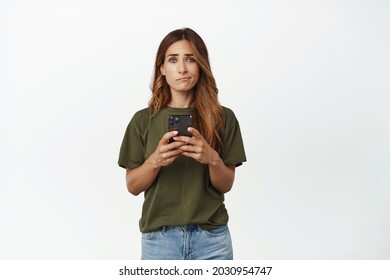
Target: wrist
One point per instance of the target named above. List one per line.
(152, 162)
(215, 160)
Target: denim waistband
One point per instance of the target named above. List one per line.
(185, 228)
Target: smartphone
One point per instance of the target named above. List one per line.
(181, 124)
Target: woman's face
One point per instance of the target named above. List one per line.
(180, 68)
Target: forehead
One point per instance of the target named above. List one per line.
(179, 47)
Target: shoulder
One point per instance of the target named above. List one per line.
(141, 116)
(229, 117)
(228, 113)
(143, 113)
(140, 120)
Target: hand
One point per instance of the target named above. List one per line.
(196, 147)
(166, 153)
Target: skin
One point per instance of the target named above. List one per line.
(182, 73)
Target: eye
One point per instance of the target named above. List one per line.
(190, 59)
(172, 60)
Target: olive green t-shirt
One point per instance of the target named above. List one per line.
(182, 192)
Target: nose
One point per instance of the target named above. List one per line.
(182, 68)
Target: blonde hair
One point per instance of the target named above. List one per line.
(208, 118)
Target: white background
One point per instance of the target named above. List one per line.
(309, 82)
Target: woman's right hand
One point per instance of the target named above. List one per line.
(166, 152)
(141, 178)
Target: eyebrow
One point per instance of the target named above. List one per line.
(175, 54)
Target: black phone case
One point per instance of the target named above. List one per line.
(179, 123)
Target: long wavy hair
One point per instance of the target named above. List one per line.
(208, 117)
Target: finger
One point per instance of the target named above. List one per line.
(175, 145)
(170, 154)
(168, 161)
(168, 136)
(195, 133)
(192, 155)
(191, 149)
(171, 146)
(184, 139)
(167, 158)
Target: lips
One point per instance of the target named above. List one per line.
(184, 79)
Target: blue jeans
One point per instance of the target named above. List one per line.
(188, 242)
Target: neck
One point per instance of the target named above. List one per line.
(181, 100)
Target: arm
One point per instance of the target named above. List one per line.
(221, 176)
(139, 179)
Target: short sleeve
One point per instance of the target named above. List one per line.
(233, 152)
(132, 151)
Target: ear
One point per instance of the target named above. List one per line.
(162, 69)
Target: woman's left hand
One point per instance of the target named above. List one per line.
(197, 148)
(221, 176)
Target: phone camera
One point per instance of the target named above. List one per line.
(171, 121)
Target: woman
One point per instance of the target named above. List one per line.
(184, 181)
